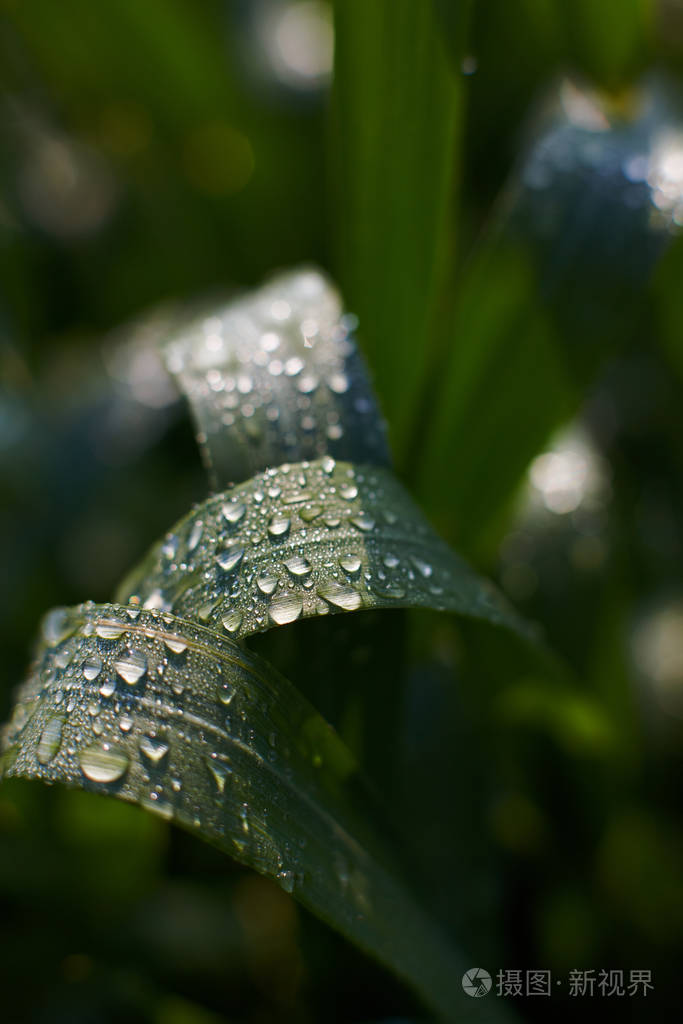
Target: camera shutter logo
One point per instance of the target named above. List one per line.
(476, 982)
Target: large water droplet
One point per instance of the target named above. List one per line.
(110, 630)
(175, 644)
(50, 740)
(341, 596)
(278, 526)
(195, 535)
(57, 626)
(298, 566)
(108, 687)
(349, 492)
(219, 772)
(153, 749)
(102, 763)
(267, 583)
(350, 562)
(285, 608)
(233, 512)
(363, 522)
(92, 666)
(308, 514)
(131, 666)
(230, 557)
(232, 620)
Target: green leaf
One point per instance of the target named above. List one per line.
(304, 540)
(396, 116)
(155, 710)
(556, 286)
(275, 377)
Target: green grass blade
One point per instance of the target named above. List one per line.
(396, 116)
(160, 712)
(305, 540)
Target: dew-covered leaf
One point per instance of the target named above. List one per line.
(304, 540)
(161, 712)
(275, 376)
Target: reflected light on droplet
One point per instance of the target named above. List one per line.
(665, 173)
(657, 646)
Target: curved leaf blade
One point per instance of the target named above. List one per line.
(275, 376)
(304, 540)
(161, 712)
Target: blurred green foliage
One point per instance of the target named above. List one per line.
(156, 153)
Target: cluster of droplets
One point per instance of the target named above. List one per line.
(276, 376)
(155, 709)
(305, 540)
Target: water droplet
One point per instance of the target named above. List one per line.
(327, 464)
(339, 383)
(286, 880)
(298, 566)
(153, 749)
(103, 764)
(230, 557)
(57, 626)
(331, 520)
(125, 723)
(393, 590)
(131, 666)
(267, 583)
(363, 522)
(157, 602)
(195, 535)
(278, 526)
(422, 567)
(244, 816)
(350, 562)
(92, 666)
(50, 740)
(341, 596)
(110, 630)
(233, 512)
(285, 608)
(308, 514)
(175, 644)
(391, 561)
(108, 687)
(169, 548)
(219, 772)
(349, 492)
(226, 694)
(232, 620)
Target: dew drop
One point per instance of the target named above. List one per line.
(349, 492)
(298, 566)
(232, 620)
(175, 644)
(50, 740)
(157, 602)
(195, 535)
(267, 584)
(339, 383)
(226, 694)
(285, 608)
(286, 880)
(424, 568)
(57, 626)
(101, 763)
(108, 687)
(327, 464)
(278, 526)
(110, 630)
(350, 562)
(131, 666)
(230, 557)
(154, 750)
(125, 723)
(341, 596)
(233, 512)
(363, 522)
(219, 773)
(92, 666)
(308, 514)
(391, 561)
